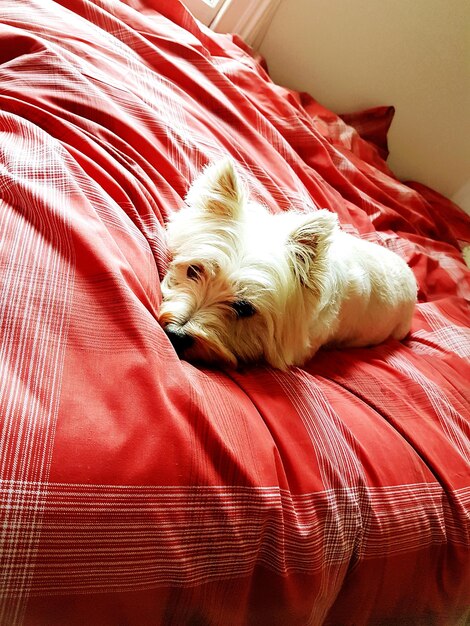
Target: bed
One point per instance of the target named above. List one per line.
(138, 489)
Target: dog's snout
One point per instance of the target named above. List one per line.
(180, 340)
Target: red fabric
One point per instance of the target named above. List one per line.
(138, 489)
(372, 125)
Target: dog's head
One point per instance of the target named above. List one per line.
(240, 280)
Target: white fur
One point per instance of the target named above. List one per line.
(310, 283)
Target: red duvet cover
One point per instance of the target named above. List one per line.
(140, 490)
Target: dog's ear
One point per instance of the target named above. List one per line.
(218, 190)
(307, 245)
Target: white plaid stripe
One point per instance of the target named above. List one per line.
(97, 537)
(452, 422)
(446, 334)
(339, 464)
(339, 468)
(34, 313)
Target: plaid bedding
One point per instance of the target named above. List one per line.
(139, 489)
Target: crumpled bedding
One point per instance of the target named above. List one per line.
(140, 489)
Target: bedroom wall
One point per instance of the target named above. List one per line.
(414, 54)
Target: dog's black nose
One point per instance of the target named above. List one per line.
(180, 340)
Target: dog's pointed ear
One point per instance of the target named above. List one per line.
(307, 245)
(218, 190)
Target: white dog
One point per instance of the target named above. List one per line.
(245, 285)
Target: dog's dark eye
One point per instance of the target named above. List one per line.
(243, 308)
(194, 271)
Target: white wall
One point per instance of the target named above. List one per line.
(414, 54)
